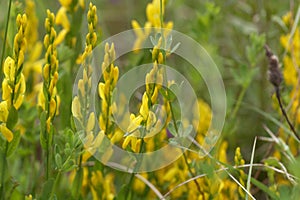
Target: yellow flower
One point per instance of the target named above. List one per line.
(153, 20)
(9, 69)
(65, 3)
(289, 71)
(28, 197)
(91, 122)
(134, 123)
(6, 91)
(3, 111)
(105, 88)
(138, 185)
(6, 132)
(141, 34)
(135, 143)
(144, 111)
(153, 12)
(62, 18)
(76, 107)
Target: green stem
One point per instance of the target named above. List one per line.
(2, 190)
(239, 101)
(139, 161)
(47, 158)
(191, 172)
(161, 30)
(55, 184)
(5, 36)
(161, 15)
(184, 156)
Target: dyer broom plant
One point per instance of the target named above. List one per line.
(13, 89)
(64, 164)
(49, 100)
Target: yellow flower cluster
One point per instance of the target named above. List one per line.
(291, 65)
(81, 102)
(67, 6)
(13, 85)
(91, 37)
(80, 110)
(238, 160)
(99, 185)
(212, 185)
(48, 98)
(105, 88)
(33, 64)
(146, 117)
(31, 32)
(102, 187)
(153, 20)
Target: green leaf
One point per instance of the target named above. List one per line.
(163, 93)
(264, 188)
(12, 146)
(76, 186)
(171, 129)
(12, 118)
(179, 128)
(47, 189)
(272, 161)
(187, 131)
(64, 53)
(123, 192)
(67, 150)
(58, 161)
(68, 168)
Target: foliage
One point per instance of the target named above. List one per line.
(50, 140)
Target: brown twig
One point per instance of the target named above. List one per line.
(275, 77)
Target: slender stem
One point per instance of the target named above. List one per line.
(239, 101)
(2, 190)
(4, 40)
(161, 14)
(55, 183)
(161, 30)
(184, 156)
(139, 161)
(47, 158)
(191, 172)
(284, 113)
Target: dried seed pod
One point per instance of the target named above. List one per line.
(275, 75)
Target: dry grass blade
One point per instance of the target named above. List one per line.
(149, 184)
(250, 168)
(291, 177)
